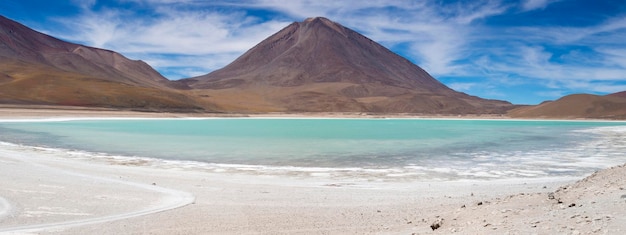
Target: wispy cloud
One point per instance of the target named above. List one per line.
(553, 59)
(214, 38)
(530, 5)
(468, 86)
(456, 41)
(437, 35)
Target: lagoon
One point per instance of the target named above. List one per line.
(406, 149)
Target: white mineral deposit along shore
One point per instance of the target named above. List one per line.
(42, 192)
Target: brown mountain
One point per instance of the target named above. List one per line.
(618, 94)
(612, 106)
(319, 65)
(39, 69)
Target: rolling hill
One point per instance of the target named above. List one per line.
(612, 106)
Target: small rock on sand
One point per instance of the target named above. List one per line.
(437, 224)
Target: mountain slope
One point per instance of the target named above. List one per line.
(619, 94)
(39, 69)
(319, 65)
(611, 106)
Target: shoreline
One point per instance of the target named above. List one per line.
(353, 177)
(36, 112)
(52, 193)
(127, 196)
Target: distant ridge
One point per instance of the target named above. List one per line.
(319, 65)
(612, 106)
(618, 94)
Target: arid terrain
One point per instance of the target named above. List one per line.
(314, 66)
(612, 106)
(44, 192)
(321, 66)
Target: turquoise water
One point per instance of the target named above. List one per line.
(418, 148)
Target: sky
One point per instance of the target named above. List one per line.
(521, 51)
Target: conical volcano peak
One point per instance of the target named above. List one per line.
(317, 18)
(315, 22)
(318, 50)
(320, 65)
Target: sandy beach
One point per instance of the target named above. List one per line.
(53, 192)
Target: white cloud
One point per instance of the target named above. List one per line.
(551, 94)
(475, 10)
(462, 86)
(614, 56)
(446, 40)
(176, 32)
(564, 59)
(530, 5)
(174, 38)
(437, 35)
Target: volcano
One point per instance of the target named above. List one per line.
(321, 66)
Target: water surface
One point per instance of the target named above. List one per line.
(407, 148)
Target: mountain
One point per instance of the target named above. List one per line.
(39, 69)
(618, 94)
(612, 106)
(311, 66)
(319, 65)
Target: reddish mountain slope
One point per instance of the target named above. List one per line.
(319, 65)
(618, 94)
(577, 106)
(39, 69)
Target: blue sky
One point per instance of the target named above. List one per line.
(523, 51)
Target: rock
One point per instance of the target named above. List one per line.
(437, 224)
(551, 196)
(623, 196)
(572, 205)
(480, 203)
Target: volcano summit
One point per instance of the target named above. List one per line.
(319, 65)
